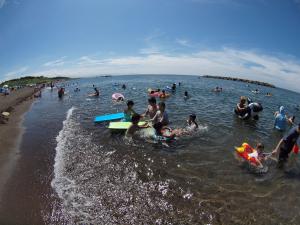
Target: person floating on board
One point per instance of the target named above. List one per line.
(134, 127)
(124, 86)
(151, 109)
(129, 112)
(286, 145)
(281, 119)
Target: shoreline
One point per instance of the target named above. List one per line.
(12, 130)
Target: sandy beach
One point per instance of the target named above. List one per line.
(17, 103)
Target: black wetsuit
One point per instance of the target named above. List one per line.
(288, 143)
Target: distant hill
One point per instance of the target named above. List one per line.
(32, 80)
(241, 80)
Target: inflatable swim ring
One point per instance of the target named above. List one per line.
(252, 110)
(248, 153)
(165, 96)
(117, 96)
(153, 92)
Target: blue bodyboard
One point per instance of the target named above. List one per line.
(109, 117)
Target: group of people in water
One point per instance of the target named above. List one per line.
(246, 109)
(157, 117)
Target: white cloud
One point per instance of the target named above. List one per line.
(2, 3)
(283, 72)
(86, 61)
(57, 62)
(150, 51)
(183, 42)
(16, 73)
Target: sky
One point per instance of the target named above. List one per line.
(253, 39)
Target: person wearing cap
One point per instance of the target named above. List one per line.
(281, 119)
(286, 145)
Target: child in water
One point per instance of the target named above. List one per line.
(192, 126)
(241, 107)
(152, 108)
(161, 118)
(129, 112)
(258, 154)
(282, 120)
(163, 94)
(134, 126)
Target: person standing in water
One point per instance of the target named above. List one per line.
(61, 92)
(286, 145)
(129, 112)
(152, 108)
(186, 94)
(161, 118)
(241, 107)
(134, 126)
(97, 93)
(281, 119)
(174, 87)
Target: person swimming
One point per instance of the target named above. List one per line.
(258, 155)
(217, 89)
(170, 133)
(163, 94)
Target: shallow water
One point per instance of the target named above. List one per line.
(96, 177)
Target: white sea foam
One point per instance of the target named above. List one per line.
(98, 185)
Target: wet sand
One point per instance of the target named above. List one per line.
(11, 130)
